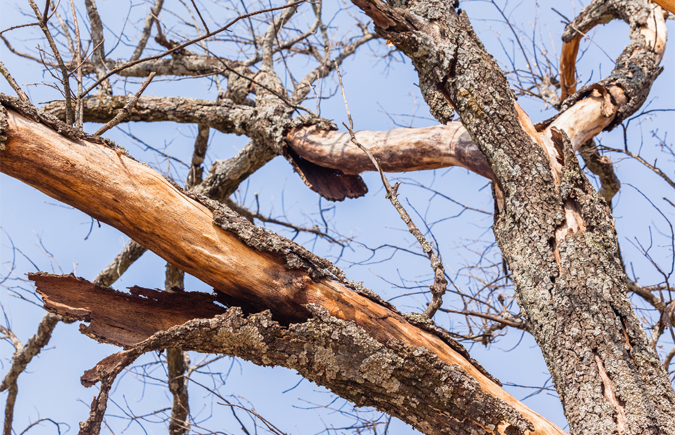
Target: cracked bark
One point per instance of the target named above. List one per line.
(222, 115)
(249, 267)
(555, 232)
(406, 381)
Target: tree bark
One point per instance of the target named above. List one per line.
(554, 231)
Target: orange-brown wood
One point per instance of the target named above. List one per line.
(568, 65)
(668, 5)
(138, 201)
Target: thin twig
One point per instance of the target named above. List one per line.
(641, 160)
(127, 107)
(13, 83)
(519, 325)
(440, 282)
(200, 16)
(42, 22)
(182, 46)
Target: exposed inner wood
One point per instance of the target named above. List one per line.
(398, 150)
(121, 318)
(568, 61)
(611, 397)
(138, 201)
(654, 31)
(668, 5)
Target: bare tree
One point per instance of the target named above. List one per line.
(559, 276)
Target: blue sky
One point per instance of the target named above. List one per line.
(57, 238)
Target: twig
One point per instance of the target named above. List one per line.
(519, 325)
(200, 16)
(182, 46)
(13, 83)
(42, 22)
(440, 282)
(125, 110)
(147, 28)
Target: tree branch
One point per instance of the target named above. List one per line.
(319, 348)
(20, 360)
(98, 57)
(248, 266)
(222, 115)
(147, 28)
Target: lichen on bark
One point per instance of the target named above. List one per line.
(410, 383)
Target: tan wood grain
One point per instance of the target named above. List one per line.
(668, 5)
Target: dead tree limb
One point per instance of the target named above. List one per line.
(248, 267)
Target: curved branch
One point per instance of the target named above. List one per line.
(398, 150)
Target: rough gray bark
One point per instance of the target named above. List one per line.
(222, 115)
(569, 281)
(408, 382)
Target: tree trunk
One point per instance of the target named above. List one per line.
(554, 231)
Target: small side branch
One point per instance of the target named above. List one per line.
(440, 282)
(126, 109)
(98, 56)
(603, 167)
(5, 73)
(22, 357)
(131, 252)
(147, 27)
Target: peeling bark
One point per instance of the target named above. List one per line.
(136, 200)
(409, 382)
